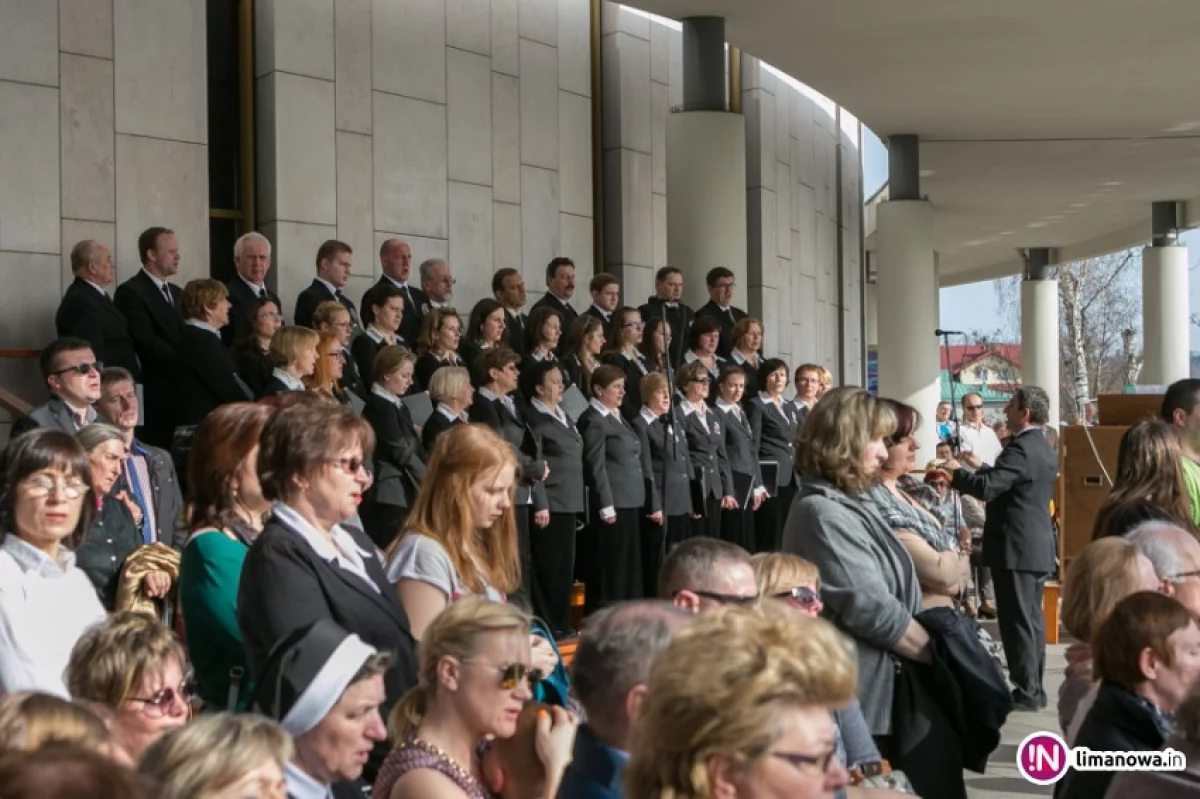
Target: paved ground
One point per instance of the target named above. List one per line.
(1002, 778)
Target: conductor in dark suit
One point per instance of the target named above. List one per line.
(150, 304)
(395, 261)
(87, 313)
(334, 259)
(1018, 539)
(208, 375)
(720, 306)
(251, 261)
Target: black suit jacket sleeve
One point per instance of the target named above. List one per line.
(391, 444)
(155, 351)
(989, 483)
(83, 320)
(214, 366)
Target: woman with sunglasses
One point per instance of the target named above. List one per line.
(46, 601)
(796, 582)
(132, 672)
(625, 335)
(476, 674)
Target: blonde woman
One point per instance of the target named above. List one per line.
(451, 392)
(334, 318)
(29, 721)
(294, 353)
(222, 756)
(476, 674)
(738, 707)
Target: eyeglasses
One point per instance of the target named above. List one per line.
(1182, 575)
(801, 761)
(802, 595)
(43, 485)
(81, 368)
(352, 466)
(724, 599)
(160, 704)
(974, 407)
(512, 674)
(940, 484)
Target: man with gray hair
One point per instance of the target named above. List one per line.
(437, 282)
(252, 262)
(1175, 554)
(610, 675)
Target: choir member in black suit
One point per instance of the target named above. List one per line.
(334, 261)
(703, 337)
(737, 524)
(542, 335)
(150, 305)
(581, 351)
(451, 392)
(495, 407)
(395, 261)
(810, 385)
(508, 287)
(294, 353)
(663, 434)
(655, 346)
(87, 313)
(719, 306)
(208, 376)
(552, 548)
(606, 296)
(668, 295)
(252, 353)
(774, 423)
(617, 470)
(333, 318)
(560, 287)
(485, 331)
(247, 288)
(747, 344)
(399, 457)
(441, 333)
(622, 352)
(706, 446)
(383, 310)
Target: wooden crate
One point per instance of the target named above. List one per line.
(1084, 488)
(1128, 409)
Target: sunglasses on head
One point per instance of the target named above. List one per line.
(801, 595)
(512, 674)
(82, 368)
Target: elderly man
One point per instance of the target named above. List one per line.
(609, 676)
(437, 282)
(395, 261)
(704, 573)
(87, 312)
(148, 471)
(1175, 553)
(72, 374)
(252, 262)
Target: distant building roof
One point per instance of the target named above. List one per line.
(992, 394)
(958, 356)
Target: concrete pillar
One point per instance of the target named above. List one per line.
(704, 64)
(1165, 326)
(871, 315)
(1040, 355)
(706, 181)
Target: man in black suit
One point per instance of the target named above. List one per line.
(71, 373)
(720, 293)
(508, 287)
(252, 260)
(606, 296)
(151, 305)
(1018, 539)
(86, 311)
(668, 293)
(334, 260)
(560, 286)
(437, 283)
(395, 260)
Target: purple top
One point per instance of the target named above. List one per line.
(417, 754)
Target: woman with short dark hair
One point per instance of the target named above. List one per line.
(625, 335)
(252, 352)
(208, 374)
(704, 337)
(773, 423)
(485, 331)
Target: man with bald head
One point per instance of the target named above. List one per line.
(87, 312)
(395, 261)
(1175, 553)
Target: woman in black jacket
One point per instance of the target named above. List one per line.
(662, 430)
(485, 331)
(773, 422)
(451, 392)
(383, 311)
(624, 336)
(737, 524)
(252, 352)
(441, 331)
(208, 375)
(706, 447)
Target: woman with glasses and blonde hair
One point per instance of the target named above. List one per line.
(331, 316)
(625, 335)
(294, 353)
(327, 374)
(441, 333)
(220, 757)
(476, 673)
(1148, 485)
(46, 601)
(132, 672)
(738, 707)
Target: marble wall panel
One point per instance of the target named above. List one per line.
(305, 149)
(539, 241)
(659, 110)
(27, 316)
(85, 27)
(759, 108)
(660, 52)
(575, 234)
(804, 246)
(29, 168)
(575, 152)
(627, 92)
(659, 203)
(471, 234)
(293, 250)
(408, 48)
(506, 237)
(355, 199)
(469, 117)
(410, 166)
(506, 53)
(295, 36)
(761, 262)
(539, 21)
(161, 74)
(575, 46)
(629, 209)
(469, 26)
(783, 209)
(637, 283)
(539, 104)
(352, 65)
(88, 166)
(506, 138)
(616, 18)
(29, 42)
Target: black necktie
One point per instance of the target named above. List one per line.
(262, 294)
(166, 290)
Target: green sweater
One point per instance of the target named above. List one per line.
(208, 590)
(1191, 480)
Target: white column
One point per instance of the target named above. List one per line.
(706, 217)
(871, 314)
(907, 290)
(1165, 326)
(1039, 339)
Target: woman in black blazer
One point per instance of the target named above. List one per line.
(542, 334)
(485, 331)
(208, 376)
(747, 338)
(450, 391)
(737, 524)
(552, 548)
(656, 346)
(441, 331)
(706, 446)
(624, 336)
(399, 455)
(305, 565)
(252, 352)
(294, 352)
(773, 422)
(383, 310)
(581, 351)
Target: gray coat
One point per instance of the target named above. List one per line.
(868, 584)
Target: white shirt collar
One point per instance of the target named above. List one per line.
(96, 286)
(301, 786)
(724, 308)
(377, 335)
(158, 284)
(255, 287)
(606, 314)
(648, 415)
(334, 290)
(342, 548)
(446, 411)
(291, 382)
(400, 284)
(539, 355)
(32, 559)
(380, 391)
(511, 313)
(435, 304)
(687, 407)
(556, 413)
(200, 323)
(726, 406)
(599, 407)
(561, 301)
(766, 400)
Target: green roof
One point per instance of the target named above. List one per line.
(990, 395)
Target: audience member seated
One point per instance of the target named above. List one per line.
(796, 583)
(252, 351)
(31, 720)
(738, 706)
(513, 767)
(306, 565)
(1147, 656)
(226, 513)
(1170, 784)
(115, 530)
(219, 757)
(399, 455)
(46, 601)
(334, 319)
(609, 675)
(148, 471)
(383, 311)
(130, 670)
(451, 392)
(325, 686)
(294, 353)
(208, 374)
(1101, 575)
(702, 574)
(476, 673)
(65, 771)
(1148, 485)
(1175, 553)
(86, 312)
(441, 331)
(72, 375)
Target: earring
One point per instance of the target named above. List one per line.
(234, 493)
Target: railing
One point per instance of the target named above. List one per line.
(10, 402)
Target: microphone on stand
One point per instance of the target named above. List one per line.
(940, 332)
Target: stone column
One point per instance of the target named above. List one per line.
(1165, 329)
(1040, 355)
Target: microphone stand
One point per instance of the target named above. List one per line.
(668, 433)
(955, 443)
